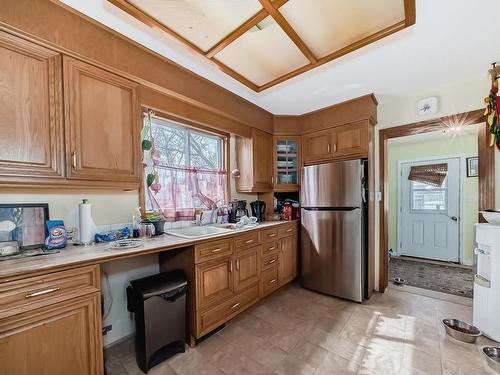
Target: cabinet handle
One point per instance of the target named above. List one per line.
(271, 248)
(230, 266)
(334, 147)
(41, 292)
(234, 306)
(217, 250)
(237, 264)
(289, 230)
(271, 261)
(249, 241)
(272, 235)
(272, 281)
(272, 180)
(73, 159)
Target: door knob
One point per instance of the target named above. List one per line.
(454, 218)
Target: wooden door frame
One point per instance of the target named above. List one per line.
(486, 179)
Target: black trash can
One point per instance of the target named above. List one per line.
(159, 304)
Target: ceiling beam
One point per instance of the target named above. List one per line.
(283, 23)
(242, 29)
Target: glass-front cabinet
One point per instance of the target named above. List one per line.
(287, 163)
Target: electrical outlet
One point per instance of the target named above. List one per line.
(106, 329)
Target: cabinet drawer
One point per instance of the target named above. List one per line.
(269, 235)
(288, 230)
(246, 241)
(37, 291)
(270, 247)
(269, 280)
(208, 320)
(270, 260)
(212, 250)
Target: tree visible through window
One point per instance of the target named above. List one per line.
(190, 168)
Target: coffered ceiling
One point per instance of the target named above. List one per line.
(262, 43)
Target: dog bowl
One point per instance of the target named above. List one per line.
(398, 281)
(492, 216)
(493, 355)
(461, 331)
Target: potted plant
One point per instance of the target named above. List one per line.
(156, 219)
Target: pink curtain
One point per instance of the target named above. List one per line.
(183, 190)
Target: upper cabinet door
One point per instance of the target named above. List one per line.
(351, 140)
(31, 135)
(102, 124)
(255, 162)
(262, 163)
(317, 146)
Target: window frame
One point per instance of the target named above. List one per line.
(429, 211)
(196, 127)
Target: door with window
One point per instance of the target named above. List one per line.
(429, 213)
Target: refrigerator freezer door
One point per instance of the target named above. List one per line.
(332, 255)
(332, 185)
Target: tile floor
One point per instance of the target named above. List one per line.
(296, 331)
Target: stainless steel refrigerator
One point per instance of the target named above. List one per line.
(334, 229)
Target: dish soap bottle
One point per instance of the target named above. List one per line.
(136, 223)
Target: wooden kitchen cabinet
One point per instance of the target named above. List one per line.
(287, 267)
(64, 338)
(350, 141)
(286, 163)
(247, 268)
(339, 143)
(214, 281)
(317, 146)
(102, 124)
(31, 130)
(254, 160)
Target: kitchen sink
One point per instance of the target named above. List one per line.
(198, 231)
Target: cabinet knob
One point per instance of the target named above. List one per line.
(234, 306)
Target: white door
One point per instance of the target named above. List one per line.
(429, 216)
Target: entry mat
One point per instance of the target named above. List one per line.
(433, 276)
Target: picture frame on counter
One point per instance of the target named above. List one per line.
(24, 223)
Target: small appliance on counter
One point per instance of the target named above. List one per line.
(286, 211)
(259, 210)
(237, 209)
(486, 302)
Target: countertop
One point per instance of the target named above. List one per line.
(72, 255)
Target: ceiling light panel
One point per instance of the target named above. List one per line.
(330, 25)
(263, 53)
(201, 22)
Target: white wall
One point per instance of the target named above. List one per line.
(456, 98)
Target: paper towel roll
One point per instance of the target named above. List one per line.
(86, 226)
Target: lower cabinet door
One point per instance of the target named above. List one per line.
(63, 338)
(287, 268)
(214, 281)
(247, 268)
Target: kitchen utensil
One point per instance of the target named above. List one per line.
(126, 244)
(238, 210)
(259, 210)
(461, 331)
(147, 229)
(492, 216)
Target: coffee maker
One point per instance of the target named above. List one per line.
(237, 209)
(259, 210)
